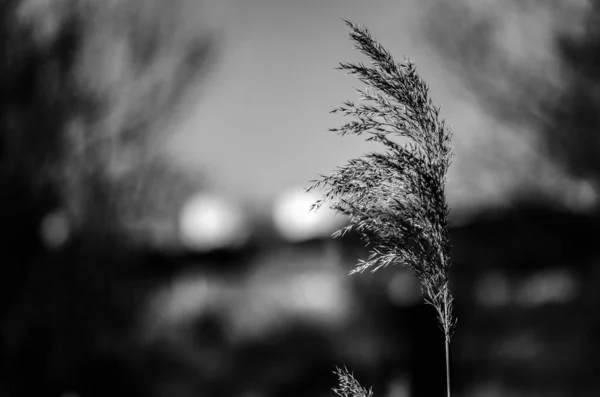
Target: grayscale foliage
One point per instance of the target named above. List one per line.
(395, 199)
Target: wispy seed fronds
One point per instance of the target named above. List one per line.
(348, 386)
(395, 199)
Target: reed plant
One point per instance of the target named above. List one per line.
(395, 198)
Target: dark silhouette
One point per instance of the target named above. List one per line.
(88, 89)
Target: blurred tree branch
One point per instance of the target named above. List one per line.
(534, 64)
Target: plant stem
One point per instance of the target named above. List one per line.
(447, 327)
(448, 365)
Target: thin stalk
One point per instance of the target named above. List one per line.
(447, 330)
(448, 366)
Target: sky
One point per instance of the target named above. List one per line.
(261, 122)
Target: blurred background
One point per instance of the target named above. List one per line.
(156, 235)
